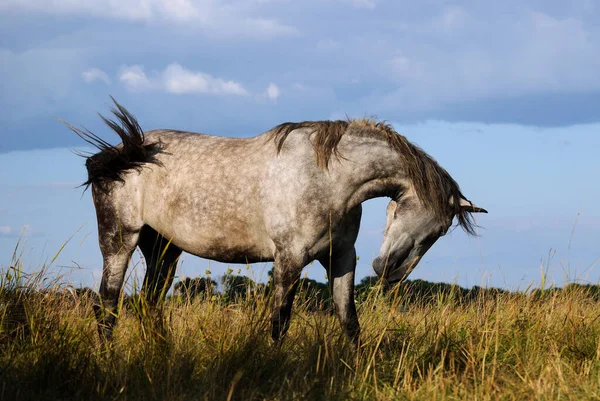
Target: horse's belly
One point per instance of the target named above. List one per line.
(233, 254)
(223, 243)
(209, 219)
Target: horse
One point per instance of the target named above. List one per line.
(290, 196)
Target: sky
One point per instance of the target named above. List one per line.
(505, 95)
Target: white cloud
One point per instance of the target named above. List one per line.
(273, 92)
(95, 74)
(178, 80)
(135, 78)
(220, 16)
(5, 230)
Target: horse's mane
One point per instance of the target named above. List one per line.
(433, 184)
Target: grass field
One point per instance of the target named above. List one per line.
(540, 346)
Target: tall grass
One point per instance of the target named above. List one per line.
(545, 345)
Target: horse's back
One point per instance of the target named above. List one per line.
(205, 194)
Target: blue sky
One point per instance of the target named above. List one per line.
(505, 96)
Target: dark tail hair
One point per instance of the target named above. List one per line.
(110, 164)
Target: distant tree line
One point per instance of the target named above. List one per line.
(316, 296)
(238, 288)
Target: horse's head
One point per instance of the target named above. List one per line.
(411, 229)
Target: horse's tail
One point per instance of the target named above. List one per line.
(111, 162)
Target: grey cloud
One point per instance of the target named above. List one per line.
(528, 63)
(530, 54)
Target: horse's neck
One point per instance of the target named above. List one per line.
(376, 172)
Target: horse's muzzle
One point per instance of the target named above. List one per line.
(379, 266)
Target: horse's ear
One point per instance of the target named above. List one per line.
(389, 213)
(468, 206)
(392, 205)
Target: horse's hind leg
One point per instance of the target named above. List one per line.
(118, 234)
(161, 260)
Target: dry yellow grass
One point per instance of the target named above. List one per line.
(508, 346)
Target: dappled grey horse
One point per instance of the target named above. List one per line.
(291, 195)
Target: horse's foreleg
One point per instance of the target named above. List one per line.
(341, 279)
(116, 247)
(161, 261)
(286, 274)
